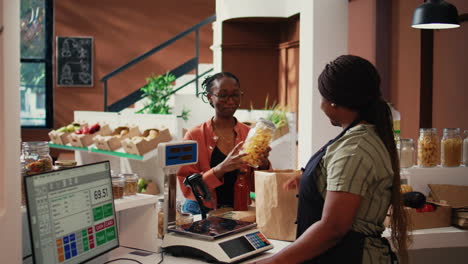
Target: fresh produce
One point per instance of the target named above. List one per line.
(152, 134)
(414, 199)
(88, 129)
(69, 128)
(427, 207)
(405, 188)
(142, 183)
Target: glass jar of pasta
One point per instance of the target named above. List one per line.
(428, 147)
(257, 142)
(451, 148)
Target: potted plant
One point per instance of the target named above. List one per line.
(158, 90)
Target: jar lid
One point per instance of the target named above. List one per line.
(433, 130)
(409, 140)
(35, 145)
(129, 175)
(118, 179)
(265, 122)
(457, 130)
(65, 163)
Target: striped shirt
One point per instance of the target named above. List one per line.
(359, 163)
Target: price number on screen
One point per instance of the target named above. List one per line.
(100, 194)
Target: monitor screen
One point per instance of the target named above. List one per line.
(71, 214)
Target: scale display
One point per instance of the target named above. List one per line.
(177, 154)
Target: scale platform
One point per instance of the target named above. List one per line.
(216, 239)
(213, 228)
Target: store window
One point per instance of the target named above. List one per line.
(36, 63)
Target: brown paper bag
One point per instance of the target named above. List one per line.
(276, 208)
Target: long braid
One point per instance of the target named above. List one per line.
(353, 82)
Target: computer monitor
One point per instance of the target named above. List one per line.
(71, 214)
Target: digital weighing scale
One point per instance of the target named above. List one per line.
(215, 239)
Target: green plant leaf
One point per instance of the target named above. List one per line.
(158, 90)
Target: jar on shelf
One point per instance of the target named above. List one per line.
(160, 209)
(451, 148)
(131, 183)
(428, 147)
(406, 153)
(35, 158)
(465, 149)
(118, 185)
(64, 164)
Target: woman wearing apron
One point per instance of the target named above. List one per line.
(348, 186)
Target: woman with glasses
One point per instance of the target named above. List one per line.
(219, 142)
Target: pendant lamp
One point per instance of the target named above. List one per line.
(435, 14)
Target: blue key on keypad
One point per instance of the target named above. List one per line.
(65, 240)
(72, 237)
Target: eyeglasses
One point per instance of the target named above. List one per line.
(225, 97)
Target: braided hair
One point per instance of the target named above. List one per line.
(208, 84)
(353, 82)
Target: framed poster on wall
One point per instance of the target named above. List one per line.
(74, 61)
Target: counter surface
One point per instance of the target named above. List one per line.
(155, 258)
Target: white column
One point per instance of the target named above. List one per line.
(323, 37)
(10, 219)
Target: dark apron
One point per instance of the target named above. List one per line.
(310, 208)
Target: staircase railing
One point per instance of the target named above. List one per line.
(180, 70)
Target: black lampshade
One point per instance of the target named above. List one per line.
(435, 14)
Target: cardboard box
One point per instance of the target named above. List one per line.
(60, 138)
(441, 217)
(85, 140)
(457, 197)
(114, 140)
(145, 143)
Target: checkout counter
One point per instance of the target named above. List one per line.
(449, 243)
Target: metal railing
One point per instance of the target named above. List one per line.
(180, 70)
